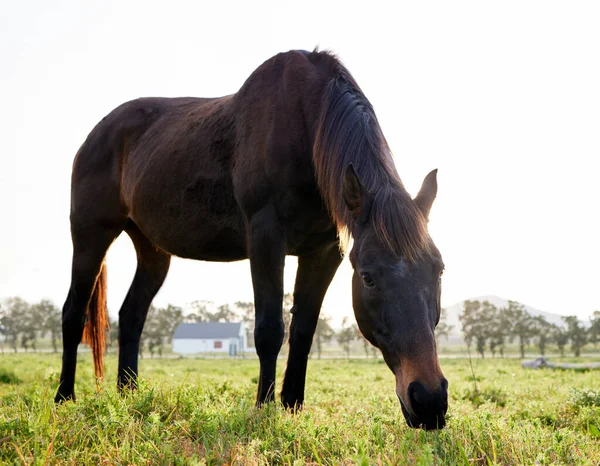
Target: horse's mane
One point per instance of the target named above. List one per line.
(348, 133)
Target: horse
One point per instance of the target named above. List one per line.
(294, 163)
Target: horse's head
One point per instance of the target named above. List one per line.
(396, 301)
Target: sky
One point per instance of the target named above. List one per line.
(502, 97)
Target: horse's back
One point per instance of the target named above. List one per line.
(98, 165)
(142, 158)
(191, 172)
(176, 181)
(122, 126)
(119, 131)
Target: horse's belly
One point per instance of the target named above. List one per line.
(192, 230)
(221, 243)
(188, 210)
(224, 246)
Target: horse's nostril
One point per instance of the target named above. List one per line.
(425, 402)
(417, 395)
(445, 384)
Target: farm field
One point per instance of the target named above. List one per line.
(201, 411)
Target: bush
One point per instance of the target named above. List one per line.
(582, 398)
(9, 377)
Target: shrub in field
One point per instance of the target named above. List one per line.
(8, 377)
(492, 395)
(585, 397)
(585, 410)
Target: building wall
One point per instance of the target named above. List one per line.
(193, 345)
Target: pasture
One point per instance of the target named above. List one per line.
(201, 411)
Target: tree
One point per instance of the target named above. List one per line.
(576, 334)
(49, 320)
(155, 334)
(9, 322)
(522, 324)
(559, 336)
(488, 319)
(19, 323)
(541, 329)
(468, 320)
(204, 311)
(443, 329)
(160, 326)
(324, 332)
(224, 314)
(474, 325)
(32, 325)
(347, 335)
(594, 330)
(499, 331)
(170, 317)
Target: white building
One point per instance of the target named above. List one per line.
(210, 337)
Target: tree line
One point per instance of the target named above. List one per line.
(24, 324)
(485, 326)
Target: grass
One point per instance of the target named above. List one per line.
(195, 411)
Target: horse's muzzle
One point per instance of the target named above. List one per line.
(427, 409)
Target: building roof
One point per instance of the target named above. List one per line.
(208, 330)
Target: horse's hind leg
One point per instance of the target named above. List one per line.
(152, 268)
(314, 275)
(89, 248)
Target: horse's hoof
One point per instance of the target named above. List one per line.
(126, 387)
(292, 404)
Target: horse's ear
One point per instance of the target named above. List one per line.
(352, 191)
(427, 194)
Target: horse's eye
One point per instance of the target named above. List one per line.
(367, 280)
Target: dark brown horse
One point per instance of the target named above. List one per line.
(292, 164)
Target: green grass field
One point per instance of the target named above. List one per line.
(194, 411)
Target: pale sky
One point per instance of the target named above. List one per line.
(502, 97)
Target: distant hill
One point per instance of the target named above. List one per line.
(455, 310)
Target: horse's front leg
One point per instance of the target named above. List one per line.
(266, 250)
(314, 275)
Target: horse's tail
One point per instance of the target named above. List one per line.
(94, 332)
